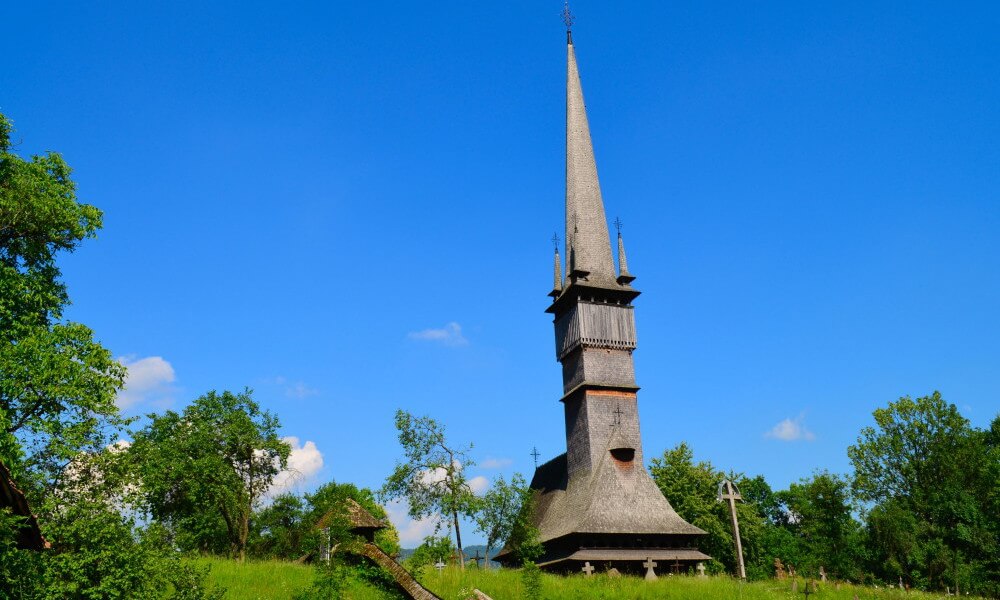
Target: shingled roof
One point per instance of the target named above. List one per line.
(615, 497)
(357, 517)
(29, 537)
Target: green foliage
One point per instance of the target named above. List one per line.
(499, 509)
(280, 528)
(819, 516)
(531, 579)
(929, 480)
(57, 385)
(430, 551)
(432, 476)
(693, 491)
(214, 461)
(524, 542)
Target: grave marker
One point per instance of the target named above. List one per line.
(650, 574)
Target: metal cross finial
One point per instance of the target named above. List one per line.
(567, 16)
(618, 226)
(555, 241)
(535, 455)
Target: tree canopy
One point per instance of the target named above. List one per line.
(205, 470)
(432, 476)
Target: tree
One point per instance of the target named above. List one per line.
(216, 460)
(432, 477)
(693, 491)
(57, 385)
(819, 514)
(923, 464)
(280, 529)
(499, 509)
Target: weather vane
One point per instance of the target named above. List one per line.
(567, 16)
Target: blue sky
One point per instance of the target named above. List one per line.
(348, 206)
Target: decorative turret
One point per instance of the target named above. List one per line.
(624, 277)
(557, 285)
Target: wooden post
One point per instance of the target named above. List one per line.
(729, 492)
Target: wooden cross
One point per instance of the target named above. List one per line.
(439, 566)
(730, 493)
(477, 557)
(588, 568)
(535, 455)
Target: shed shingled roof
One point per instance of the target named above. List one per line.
(357, 516)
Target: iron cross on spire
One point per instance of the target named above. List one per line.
(618, 226)
(555, 241)
(535, 455)
(567, 16)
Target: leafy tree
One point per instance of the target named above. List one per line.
(692, 489)
(280, 528)
(430, 551)
(57, 385)
(923, 469)
(499, 509)
(819, 514)
(432, 477)
(214, 461)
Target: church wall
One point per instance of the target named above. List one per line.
(600, 366)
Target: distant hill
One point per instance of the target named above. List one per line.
(470, 552)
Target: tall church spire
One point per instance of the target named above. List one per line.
(588, 242)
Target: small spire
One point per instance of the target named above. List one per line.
(624, 277)
(557, 286)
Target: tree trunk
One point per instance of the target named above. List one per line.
(458, 540)
(486, 560)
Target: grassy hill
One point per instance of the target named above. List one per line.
(281, 580)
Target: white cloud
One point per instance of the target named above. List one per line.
(292, 389)
(791, 430)
(304, 462)
(479, 484)
(147, 381)
(300, 390)
(411, 531)
(496, 463)
(449, 335)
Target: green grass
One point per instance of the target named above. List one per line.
(452, 584)
(258, 580)
(281, 580)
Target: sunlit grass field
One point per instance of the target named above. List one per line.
(255, 580)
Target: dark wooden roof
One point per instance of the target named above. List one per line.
(357, 517)
(609, 499)
(30, 536)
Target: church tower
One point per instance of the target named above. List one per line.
(597, 503)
